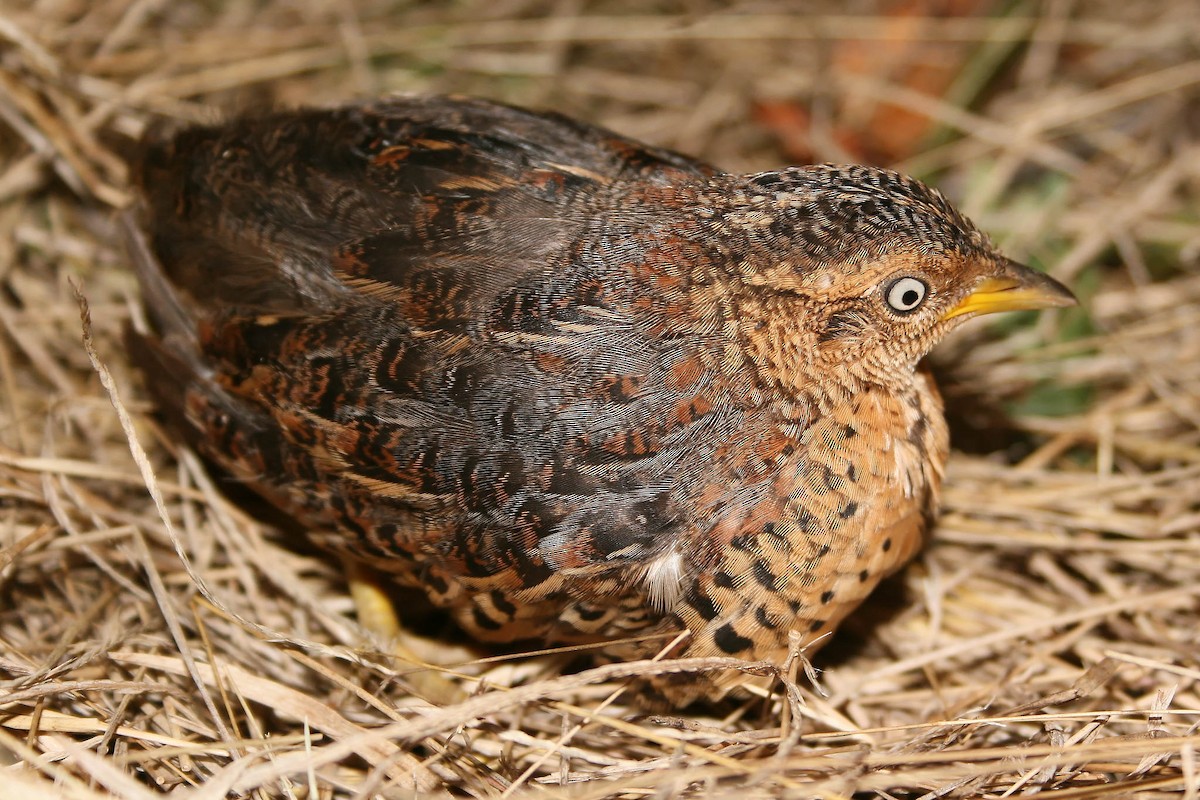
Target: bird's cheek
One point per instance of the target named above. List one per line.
(842, 327)
(936, 330)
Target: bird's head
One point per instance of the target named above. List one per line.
(856, 272)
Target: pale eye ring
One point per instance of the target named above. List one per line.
(905, 295)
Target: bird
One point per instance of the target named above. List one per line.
(573, 387)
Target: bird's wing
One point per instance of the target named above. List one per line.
(255, 214)
(428, 321)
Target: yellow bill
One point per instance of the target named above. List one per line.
(1014, 287)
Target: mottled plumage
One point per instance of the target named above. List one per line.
(574, 387)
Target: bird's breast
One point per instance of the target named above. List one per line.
(849, 505)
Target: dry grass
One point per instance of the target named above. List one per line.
(154, 636)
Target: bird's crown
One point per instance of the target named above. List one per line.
(852, 213)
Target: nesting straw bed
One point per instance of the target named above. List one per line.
(161, 632)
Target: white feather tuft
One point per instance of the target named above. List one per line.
(664, 580)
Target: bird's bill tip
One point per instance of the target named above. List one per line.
(1015, 287)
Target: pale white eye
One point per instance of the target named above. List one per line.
(905, 295)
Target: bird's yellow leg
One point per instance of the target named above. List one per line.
(377, 613)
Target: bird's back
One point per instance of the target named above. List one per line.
(457, 331)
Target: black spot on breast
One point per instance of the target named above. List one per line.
(764, 576)
(887, 544)
(848, 510)
(729, 640)
(776, 539)
(862, 576)
(435, 582)
(826, 596)
(702, 603)
(816, 625)
(744, 541)
(483, 621)
(832, 480)
(589, 613)
(763, 618)
(502, 604)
